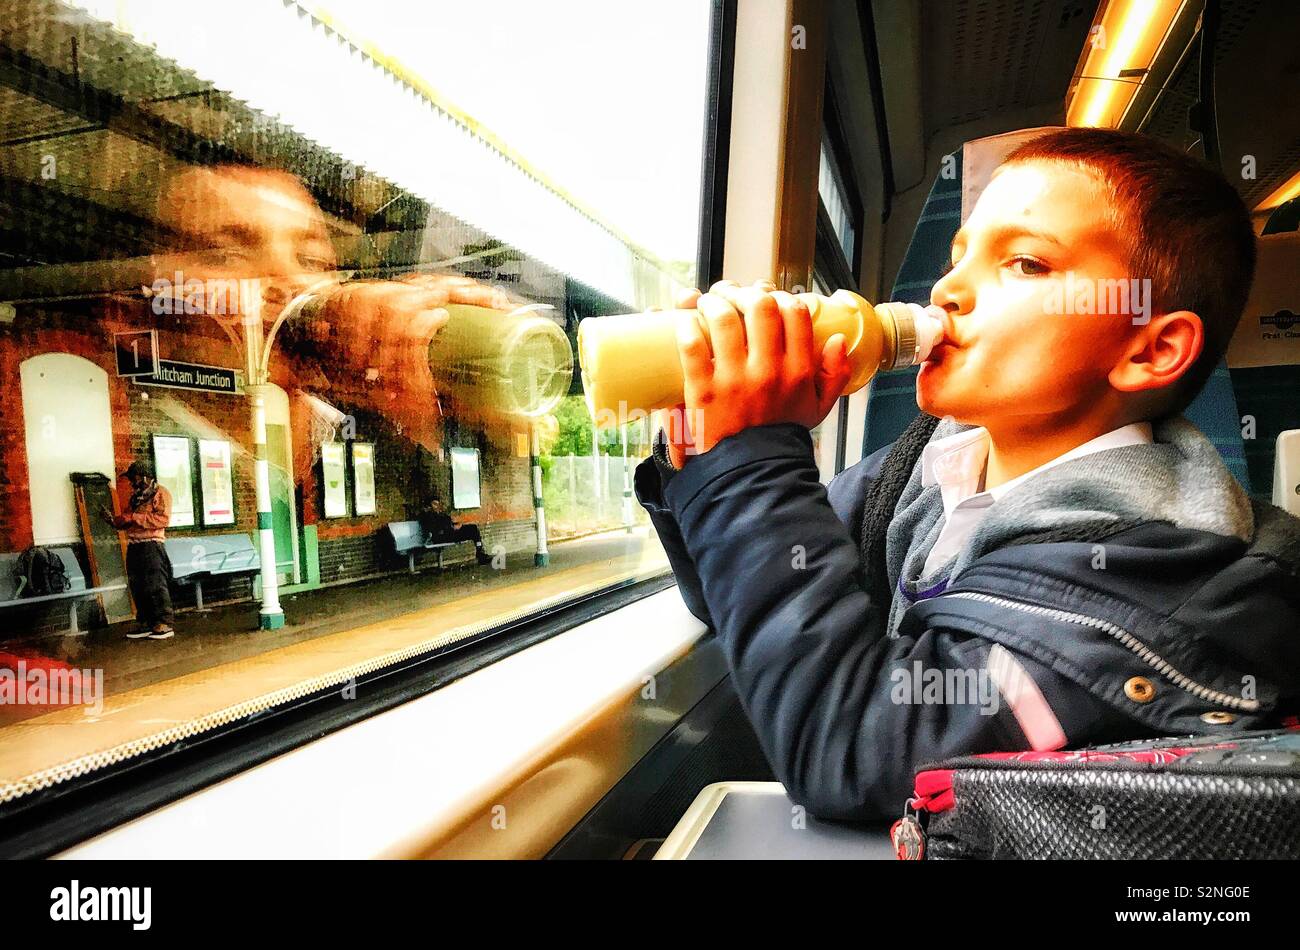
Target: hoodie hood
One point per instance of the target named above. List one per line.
(1179, 478)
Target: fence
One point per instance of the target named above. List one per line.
(584, 493)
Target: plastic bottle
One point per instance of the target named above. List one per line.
(630, 362)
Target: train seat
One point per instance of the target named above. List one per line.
(1265, 356)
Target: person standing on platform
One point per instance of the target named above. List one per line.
(148, 568)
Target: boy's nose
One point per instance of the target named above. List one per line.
(954, 295)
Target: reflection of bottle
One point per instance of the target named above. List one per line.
(518, 362)
(631, 362)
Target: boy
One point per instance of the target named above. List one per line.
(1051, 556)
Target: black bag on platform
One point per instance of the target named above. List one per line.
(1199, 797)
(39, 572)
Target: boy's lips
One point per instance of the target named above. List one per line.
(937, 356)
(949, 331)
(947, 342)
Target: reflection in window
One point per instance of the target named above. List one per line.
(363, 240)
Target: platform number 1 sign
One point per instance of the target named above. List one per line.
(137, 352)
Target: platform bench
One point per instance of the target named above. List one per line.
(211, 555)
(75, 594)
(408, 538)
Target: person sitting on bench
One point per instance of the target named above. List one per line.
(439, 527)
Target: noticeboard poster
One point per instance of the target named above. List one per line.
(333, 464)
(464, 478)
(172, 462)
(363, 478)
(215, 482)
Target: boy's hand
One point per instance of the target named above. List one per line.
(761, 367)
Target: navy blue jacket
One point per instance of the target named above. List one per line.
(1184, 632)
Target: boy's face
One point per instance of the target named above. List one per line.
(1012, 357)
(238, 222)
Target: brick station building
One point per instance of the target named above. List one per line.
(72, 412)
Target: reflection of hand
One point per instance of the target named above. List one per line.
(386, 326)
(756, 367)
(463, 290)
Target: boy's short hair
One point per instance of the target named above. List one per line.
(1184, 226)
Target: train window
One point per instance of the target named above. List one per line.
(835, 262)
(835, 202)
(292, 295)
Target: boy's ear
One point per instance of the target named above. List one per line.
(1160, 352)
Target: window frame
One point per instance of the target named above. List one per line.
(842, 170)
(828, 253)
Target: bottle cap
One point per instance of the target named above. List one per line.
(916, 331)
(929, 331)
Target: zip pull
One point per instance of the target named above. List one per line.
(907, 835)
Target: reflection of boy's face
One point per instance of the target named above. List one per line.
(1012, 358)
(237, 222)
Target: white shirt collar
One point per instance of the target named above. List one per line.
(956, 463)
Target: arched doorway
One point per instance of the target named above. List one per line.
(69, 428)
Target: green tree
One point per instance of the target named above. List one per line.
(575, 432)
(575, 427)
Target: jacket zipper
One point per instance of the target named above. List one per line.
(1124, 637)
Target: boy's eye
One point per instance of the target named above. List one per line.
(224, 256)
(314, 262)
(1029, 266)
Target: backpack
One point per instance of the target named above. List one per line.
(39, 572)
(1200, 797)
